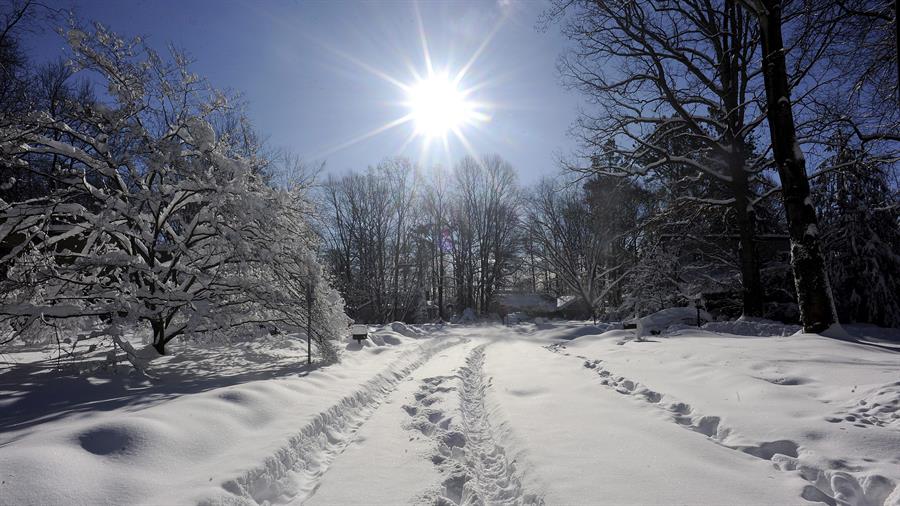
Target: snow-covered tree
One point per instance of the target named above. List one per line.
(859, 210)
(150, 217)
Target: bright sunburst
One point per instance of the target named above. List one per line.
(438, 107)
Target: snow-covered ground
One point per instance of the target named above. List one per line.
(556, 413)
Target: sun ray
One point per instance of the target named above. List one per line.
(484, 44)
(423, 153)
(446, 150)
(426, 53)
(409, 139)
(467, 145)
(383, 128)
(365, 66)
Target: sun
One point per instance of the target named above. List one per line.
(437, 106)
(444, 105)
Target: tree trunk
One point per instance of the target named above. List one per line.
(732, 43)
(440, 287)
(751, 286)
(159, 336)
(807, 261)
(309, 310)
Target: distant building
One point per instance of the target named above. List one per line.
(571, 307)
(531, 304)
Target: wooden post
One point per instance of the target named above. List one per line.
(309, 306)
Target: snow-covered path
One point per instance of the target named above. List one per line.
(432, 440)
(386, 462)
(500, 420)
(487, 414)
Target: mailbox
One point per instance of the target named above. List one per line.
(359, 332)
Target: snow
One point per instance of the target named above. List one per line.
(201, 133)
(661, 320)
(746, 412)
(404, 329)
(797, 152)
(411, 475)
(624, 453)
(774, 390)
(752, 327)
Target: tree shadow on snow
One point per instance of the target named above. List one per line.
(38, 392)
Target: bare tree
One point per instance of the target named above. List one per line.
(437, 205)
(484, 229)
(370, 231)
(576, 243)
(670, 74)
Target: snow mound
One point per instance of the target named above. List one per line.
(660, 321)
(392, 334)
(615, 336)
(752, 327)
(603, 327)
(404, 329)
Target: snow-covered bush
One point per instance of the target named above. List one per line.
(152, 218)
(659, 321)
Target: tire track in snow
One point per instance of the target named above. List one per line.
(478, 468)
(828, 486)
(295, 470)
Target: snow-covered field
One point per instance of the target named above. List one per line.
(556, 413)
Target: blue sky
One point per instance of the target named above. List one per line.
(309, 71)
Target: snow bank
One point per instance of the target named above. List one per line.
(818, 408)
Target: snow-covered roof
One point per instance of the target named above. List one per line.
(565, 301)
